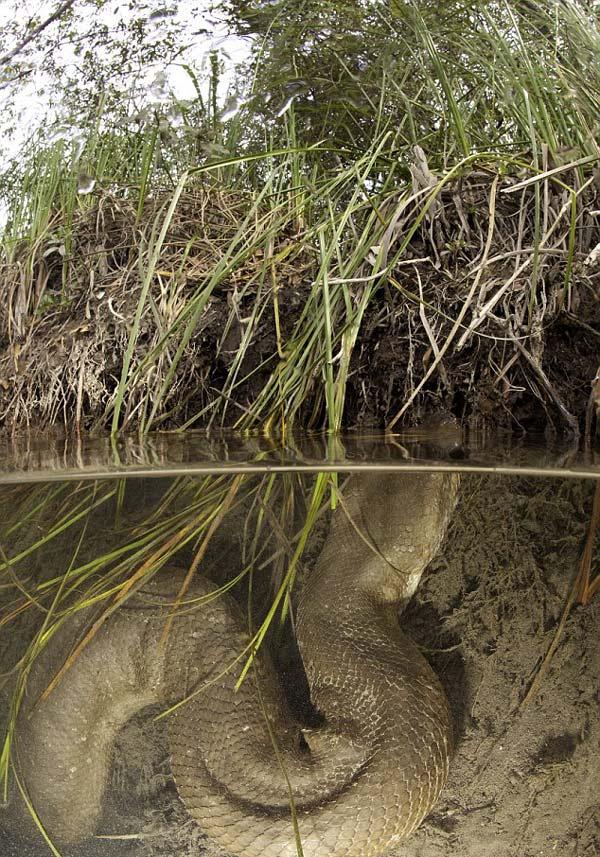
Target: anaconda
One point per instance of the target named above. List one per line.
(359, 784)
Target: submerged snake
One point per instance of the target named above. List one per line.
(358, 784)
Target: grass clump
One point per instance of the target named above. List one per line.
(412, 229)
(373, 299)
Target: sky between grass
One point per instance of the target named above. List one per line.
(39, 104)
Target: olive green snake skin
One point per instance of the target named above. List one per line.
(360, 784)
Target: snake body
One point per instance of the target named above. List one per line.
(359, 784)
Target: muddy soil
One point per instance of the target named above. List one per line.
(520, 350)
(525, 780)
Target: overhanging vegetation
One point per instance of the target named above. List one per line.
(434, 247)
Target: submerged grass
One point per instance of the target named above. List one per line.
(103, 568)
(176, 529)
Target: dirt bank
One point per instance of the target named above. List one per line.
(455, 302)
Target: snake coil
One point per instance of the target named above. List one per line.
(361, 783)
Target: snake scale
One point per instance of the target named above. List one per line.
(360, 783)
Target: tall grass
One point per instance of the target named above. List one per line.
(515, 84)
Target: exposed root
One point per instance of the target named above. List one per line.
(458, 301)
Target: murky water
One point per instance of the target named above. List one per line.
(489, 614)
(46, 457)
